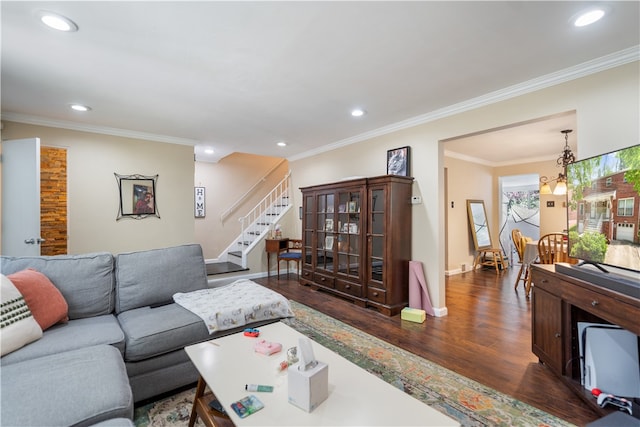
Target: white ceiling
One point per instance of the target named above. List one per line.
(241, 76)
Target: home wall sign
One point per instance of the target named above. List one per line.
(137, 196)
(199, 199)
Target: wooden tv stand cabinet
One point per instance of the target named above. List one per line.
(559, 303)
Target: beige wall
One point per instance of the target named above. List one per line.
(226, 182)
(607, 106)
(93, 195)
(466, 181)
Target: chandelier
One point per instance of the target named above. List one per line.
(565, 158)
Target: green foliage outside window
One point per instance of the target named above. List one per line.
(589, 245)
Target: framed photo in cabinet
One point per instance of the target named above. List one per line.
(328, 243)
(328, 224)
(353, 207)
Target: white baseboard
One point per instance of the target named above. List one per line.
(440, 312)
(453, 272)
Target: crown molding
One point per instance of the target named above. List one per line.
(597, 65)
(594, 66)
(39, 121)
(471, 159)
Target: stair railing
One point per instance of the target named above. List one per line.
(260, 219)
(248, 193)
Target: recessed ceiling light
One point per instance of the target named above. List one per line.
(80, 107)
(282, 144)
(357, 112)
(208, 150)
(58, 22)
(588, 17)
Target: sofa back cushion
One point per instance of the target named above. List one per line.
(152, 277)
(86, 281)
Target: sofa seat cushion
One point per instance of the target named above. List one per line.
(72, 335)
(74, 388)
(151, 332)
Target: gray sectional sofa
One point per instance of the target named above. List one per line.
(123, 342)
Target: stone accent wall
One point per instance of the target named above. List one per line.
(53, 200)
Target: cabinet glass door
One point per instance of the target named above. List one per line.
(325, 231)
(376, 235)
(349, 232)
(308, 231)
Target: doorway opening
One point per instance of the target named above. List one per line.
(519, 208)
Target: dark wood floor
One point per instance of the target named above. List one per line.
(486, 336)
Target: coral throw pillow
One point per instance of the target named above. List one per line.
(45, 301)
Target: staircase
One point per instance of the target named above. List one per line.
(593, 225)
(256, 225)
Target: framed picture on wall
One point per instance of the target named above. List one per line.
(398, 161)
(137, 196)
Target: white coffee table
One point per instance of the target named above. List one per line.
(356, 397)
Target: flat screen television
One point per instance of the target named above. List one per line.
(603, 218)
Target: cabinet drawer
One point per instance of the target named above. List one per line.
(322, 280)
(307, 274)
(350, 288)
(377, 295)
(604, 306)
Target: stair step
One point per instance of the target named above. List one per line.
(235, 253)
(223, 267)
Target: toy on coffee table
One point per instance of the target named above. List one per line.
(292, 357)
(267, 348)
(252, 332)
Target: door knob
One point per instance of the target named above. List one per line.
(33, 241)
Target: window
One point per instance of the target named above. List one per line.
(625, 207)
(608, 182)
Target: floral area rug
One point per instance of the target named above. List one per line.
(465, 400)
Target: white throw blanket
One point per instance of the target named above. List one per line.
(233, 305)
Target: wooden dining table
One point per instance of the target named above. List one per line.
(530, 256)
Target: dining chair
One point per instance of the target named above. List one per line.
(552, 248)
(516, 237)
(495, 260)
(293, 252)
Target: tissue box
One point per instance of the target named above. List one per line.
(308, 389)
(413, 315)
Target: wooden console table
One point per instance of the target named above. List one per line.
(559, 303)
(274, 246)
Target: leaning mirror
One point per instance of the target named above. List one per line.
(478, 224)
(137, 196)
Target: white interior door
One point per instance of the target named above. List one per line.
(21, 197)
